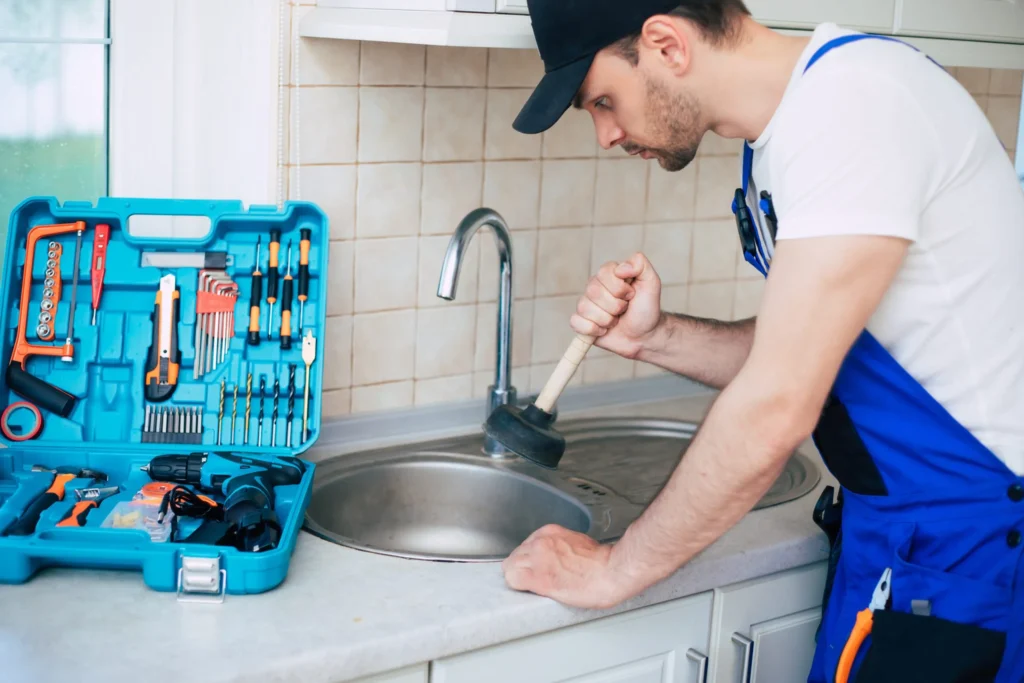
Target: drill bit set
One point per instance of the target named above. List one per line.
(167, 424)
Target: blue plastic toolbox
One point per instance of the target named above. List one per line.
(162, 431)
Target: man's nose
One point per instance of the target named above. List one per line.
(608, 134)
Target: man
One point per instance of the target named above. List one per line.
(890, 224)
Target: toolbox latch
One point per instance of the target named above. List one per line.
(200, 579)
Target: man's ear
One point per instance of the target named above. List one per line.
(665, 40)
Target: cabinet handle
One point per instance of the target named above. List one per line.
(748, 650)
(701, 660)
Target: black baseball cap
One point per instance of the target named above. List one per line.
(569, 33)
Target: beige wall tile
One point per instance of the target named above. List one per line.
(717, 180)
(524, 251)
(432, 250)
(611, 369)
(391, 396)
(675, 298)
(567, 192)
(551, 331)
(328, 118)
(573, 136)
(454, 124)
(671, 196)
(644, 370)
(338, 353)
(975, 80)
(715, 145)
(336, 403)
(340, 279)
(486, 334)
(383, 347)
(443, 390)
(333, 189)
(483, 379)
(748, 299)
(712, 300)
(563, 261)
(327, 62)
(510, 68)
(621, 192)
(392, 64)
(456, 66)
(501, 141)
(1005, 82)
(1004, 114)
(385, 274)
(445, 338)
(512, 188)
(714, 251)
(390, 124)
(450, 191)
(540, 374)
(614, 243)
(388, 200)
(981, 101)
(667, 246)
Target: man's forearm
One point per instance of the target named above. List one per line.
(709, 351)
(739, 451)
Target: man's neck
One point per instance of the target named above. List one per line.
(748, 81)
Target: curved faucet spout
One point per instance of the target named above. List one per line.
(501, 392)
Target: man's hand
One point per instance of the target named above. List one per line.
(621, 306)
(567, 566)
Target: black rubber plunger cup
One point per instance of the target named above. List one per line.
(527, 431)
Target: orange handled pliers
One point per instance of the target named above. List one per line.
(862, 627)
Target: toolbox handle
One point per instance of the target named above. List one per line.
(126, 207)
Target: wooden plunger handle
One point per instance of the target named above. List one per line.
(563, 373)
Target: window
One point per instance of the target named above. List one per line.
(53, 101)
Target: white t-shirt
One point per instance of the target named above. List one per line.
(876, 139)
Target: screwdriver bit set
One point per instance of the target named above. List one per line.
(207, 342)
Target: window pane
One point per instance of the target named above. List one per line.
(53, 19)
(52, 123)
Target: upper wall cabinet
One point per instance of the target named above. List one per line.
(1001, 20)
(864, 15)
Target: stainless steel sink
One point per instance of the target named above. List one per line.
(447, 500)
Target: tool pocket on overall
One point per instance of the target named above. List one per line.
(943, 626)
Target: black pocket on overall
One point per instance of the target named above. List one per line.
(911, 648)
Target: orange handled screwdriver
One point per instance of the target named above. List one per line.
(87, 500)
(99, 264)
(254, 299)
(304, 234)
(286, 305)
(272, 274)
(862, 627)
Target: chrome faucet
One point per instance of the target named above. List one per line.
(501, 392)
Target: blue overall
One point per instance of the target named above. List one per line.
(922, 496)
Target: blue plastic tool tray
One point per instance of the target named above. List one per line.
(104, 430)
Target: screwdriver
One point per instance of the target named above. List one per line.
(286, 304)
(272, 275)
(304, 234)
(254, 299)
(99, 264)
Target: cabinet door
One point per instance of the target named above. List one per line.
(756, 609)
(1001, 20)
(865, 15)
(411, 674)
(658, 644)
(784, 648)
(512, 6)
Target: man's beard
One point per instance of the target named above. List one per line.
(672, 117)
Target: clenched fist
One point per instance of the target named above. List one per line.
(621, 306)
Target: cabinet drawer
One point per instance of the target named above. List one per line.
(1001, 20)
(864, 15)
(648, 645)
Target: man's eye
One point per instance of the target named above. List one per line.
(602, 103)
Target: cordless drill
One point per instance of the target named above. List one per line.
(249, 522)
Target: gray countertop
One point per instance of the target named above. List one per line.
(341, 613)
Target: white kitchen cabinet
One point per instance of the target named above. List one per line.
(865, 15)
(1001, 20)
(411, 674)
(762, 630)
(513, 7)
(663, 643)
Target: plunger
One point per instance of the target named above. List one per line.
(527, 431)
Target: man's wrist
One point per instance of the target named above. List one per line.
(657, 340)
